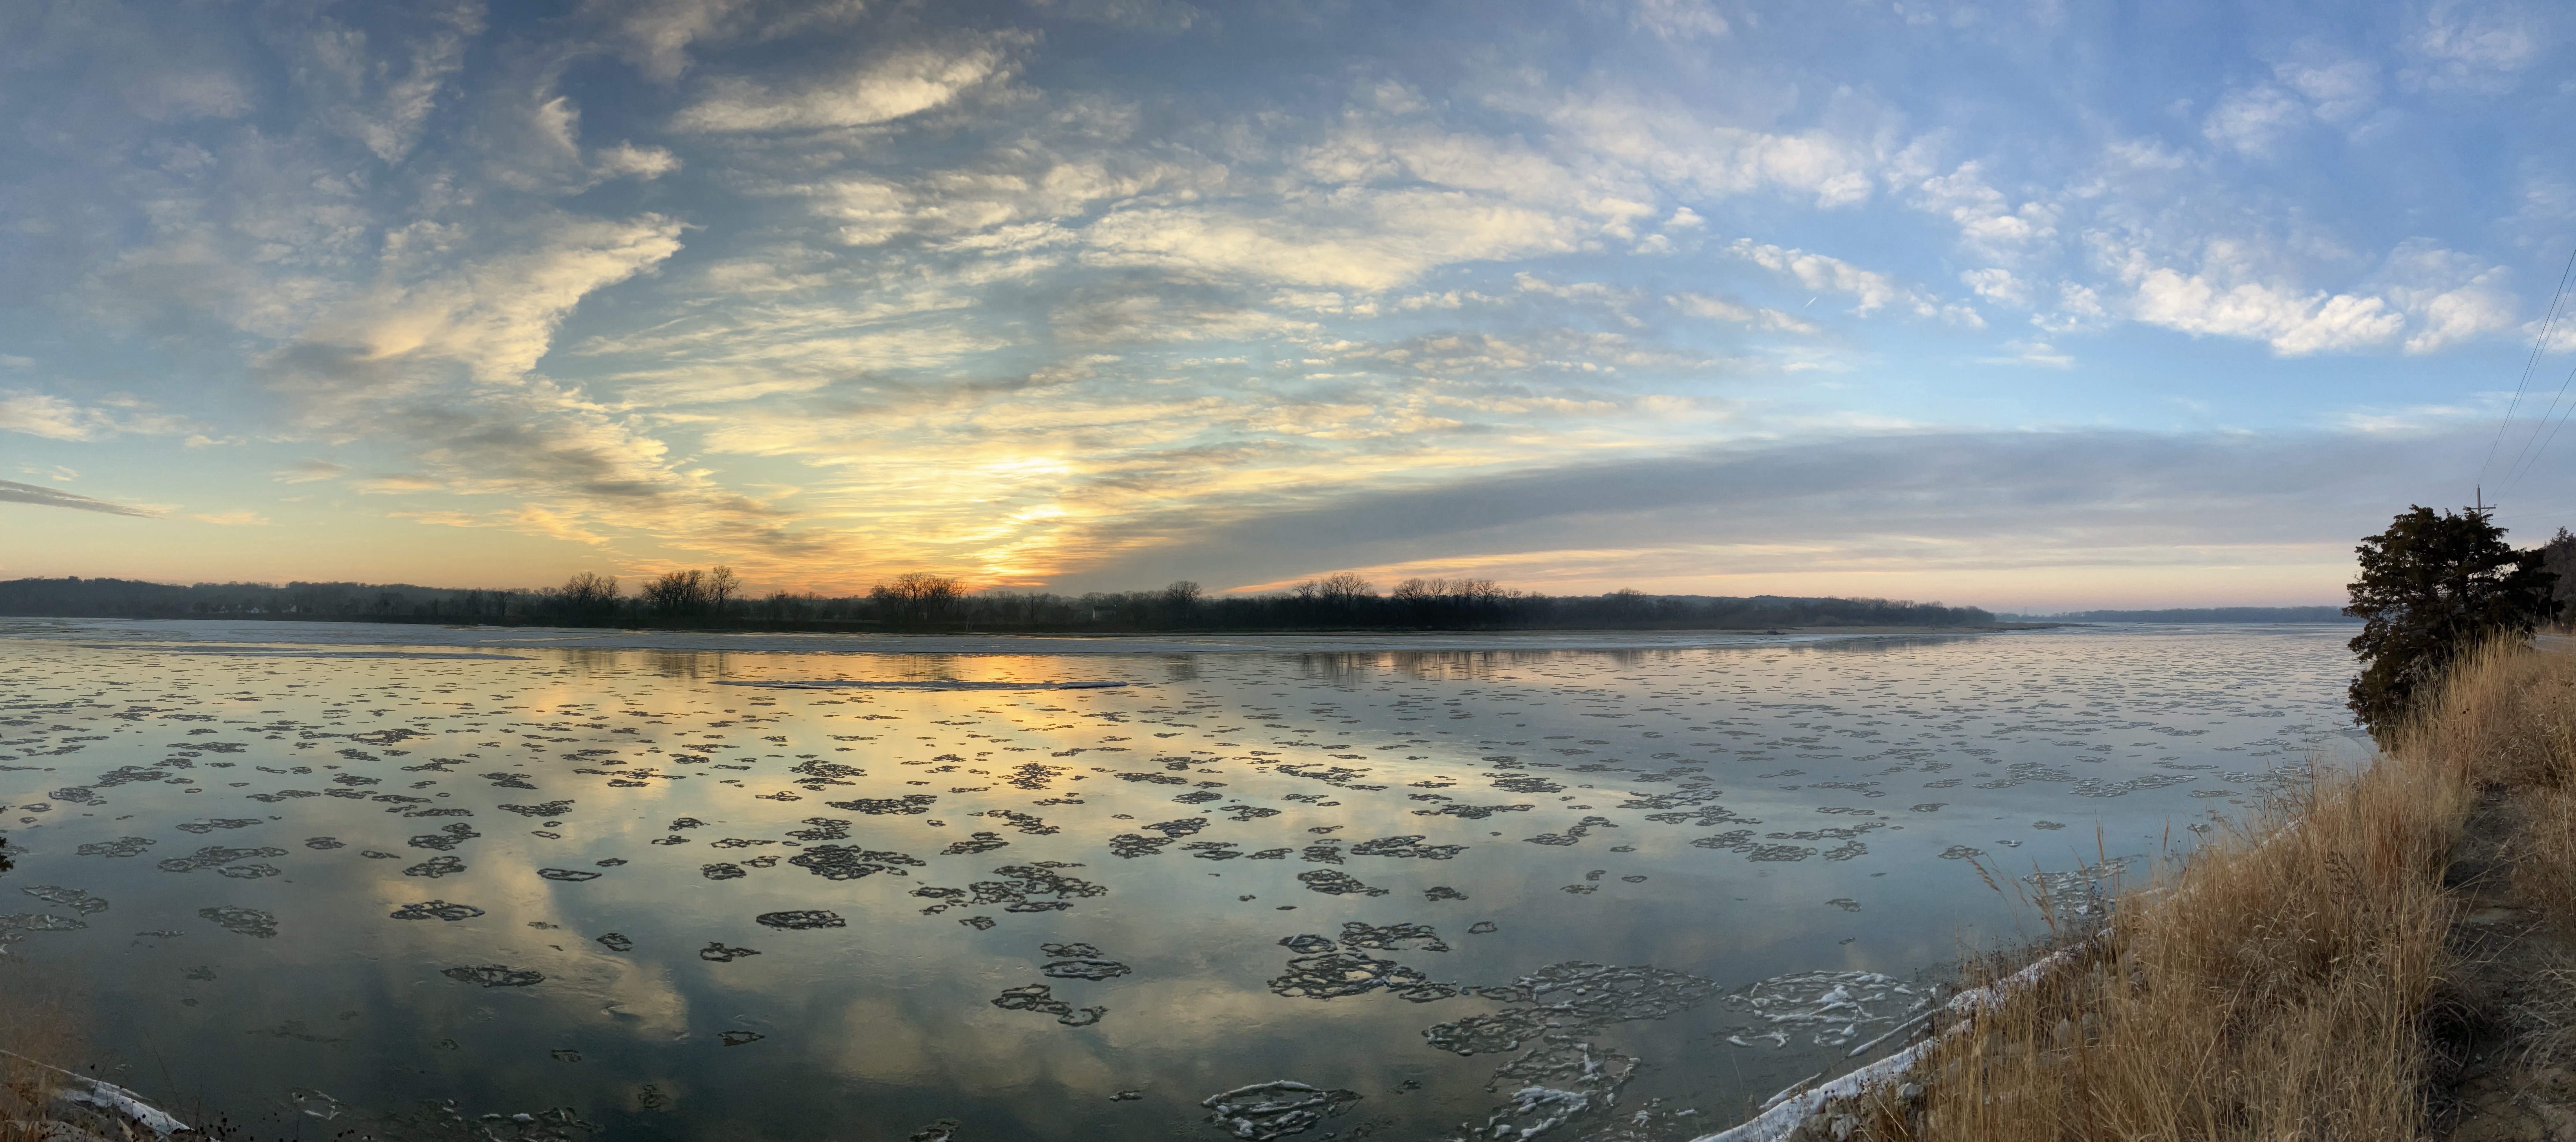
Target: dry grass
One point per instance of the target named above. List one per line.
(2546, 872)
(2281, 984)
(34, 1024)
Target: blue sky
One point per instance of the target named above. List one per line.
(2014, 305)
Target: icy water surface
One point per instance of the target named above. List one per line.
(1402, 895)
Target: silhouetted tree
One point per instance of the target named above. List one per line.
(589, 594)
(677, 593)
(1181, 600)
(1344, 587)
(917, 596)
(722, 586)
(2429, 585)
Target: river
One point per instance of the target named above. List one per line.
(323, 877)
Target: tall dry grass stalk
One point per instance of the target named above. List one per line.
(2278, 986)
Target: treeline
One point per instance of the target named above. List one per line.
(2208, 615)
(714, 599)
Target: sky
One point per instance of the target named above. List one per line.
(2032, 306)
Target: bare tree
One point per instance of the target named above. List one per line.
(589, 593)
(1182, 596)
(1344, 588)
(677, 593)
(722, 587)
(917, 596)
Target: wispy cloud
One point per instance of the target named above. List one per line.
(231, 518)
(40, 496)
(902, 83)
(310, 470)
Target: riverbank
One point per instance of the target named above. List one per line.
(2387, 954)
(180, 634)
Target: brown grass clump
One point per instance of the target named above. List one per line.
(2283, 983)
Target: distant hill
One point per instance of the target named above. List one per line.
(2210, 615)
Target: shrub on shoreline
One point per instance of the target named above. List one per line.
(2431, 586)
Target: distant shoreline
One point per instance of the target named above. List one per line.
(244, 635)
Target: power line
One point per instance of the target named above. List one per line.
(2531, 362)
(2520, 466)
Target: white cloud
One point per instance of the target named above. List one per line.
(496, 315)
(656, 34)
(2451, 297)
(1670, 144)
(2341, 89)
(2418, 420)
(2474, 44)
(641, 162)
(310, 470)
(177, 95)
(1373, 242)
(1998, 285)
(536, 146)
(995, 198)
(1987, 220)
(1400, 156)
(903, 83)
(2252, 120)
(1677, 20)
(1873, 291)
(2033, 353)
(55, 418)
(1720, 309)
(52, 417)
(2079, 310)
(2294, 323)
(382, 103)
(2314, 84)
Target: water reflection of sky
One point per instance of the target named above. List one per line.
(1825, 782)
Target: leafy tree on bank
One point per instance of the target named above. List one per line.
(2430, 585)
